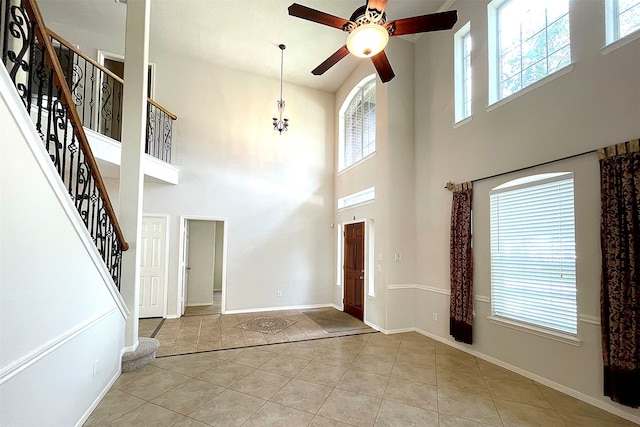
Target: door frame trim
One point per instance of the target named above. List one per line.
(167, 234)
(368, 252)
(104, 54)
(181, 236)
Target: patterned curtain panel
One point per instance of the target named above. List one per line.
(461, 264)
(620, 287)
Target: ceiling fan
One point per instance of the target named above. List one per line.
(369, 32)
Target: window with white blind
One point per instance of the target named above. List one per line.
(462, 54)
(358, 124)
(528, 40)
(623, 19)
(533, 255)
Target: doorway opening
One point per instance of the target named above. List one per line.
(202, 269)
(115, 63)
(109, 112)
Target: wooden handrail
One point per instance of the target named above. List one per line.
(102, 68)
(161, 108)
(84, 56)
(41, 33)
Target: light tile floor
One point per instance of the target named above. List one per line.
(199, 310)
(362, 380)
(146, 327)
(198, 333)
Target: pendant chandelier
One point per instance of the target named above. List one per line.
(280, 119)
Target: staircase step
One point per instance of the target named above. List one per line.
(142, 356)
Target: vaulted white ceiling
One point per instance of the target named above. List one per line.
(240, 34)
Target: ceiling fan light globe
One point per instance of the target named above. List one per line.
(367, 40)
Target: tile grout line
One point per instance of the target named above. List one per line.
(493, 399)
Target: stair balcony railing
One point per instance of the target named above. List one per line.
(32, 64)
(159, 131)
(97, 94)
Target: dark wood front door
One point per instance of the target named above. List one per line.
(354, 270)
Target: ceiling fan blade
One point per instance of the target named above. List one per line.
(422, 24)
(381, 62)
(313, 15)
(375, 8)
(331, 61)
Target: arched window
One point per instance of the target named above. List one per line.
(358, 123)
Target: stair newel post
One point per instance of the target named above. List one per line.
(133, 139)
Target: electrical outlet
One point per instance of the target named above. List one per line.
(279, 293)
(435, 317)
(96, 367)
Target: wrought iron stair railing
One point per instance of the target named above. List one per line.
(95, 90)
(32, 64)
(97, 94)
(159, 131)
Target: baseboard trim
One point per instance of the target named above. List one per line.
(38, 354)
(101, 396)
(374, 326)
(400, 331)
(551, 384)
(128, 349)
(290, 307)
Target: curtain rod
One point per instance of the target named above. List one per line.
(533, 166)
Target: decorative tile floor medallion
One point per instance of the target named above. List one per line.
(266, 324)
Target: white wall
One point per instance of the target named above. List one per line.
(592, 106)
(275, 190)
(59, 319)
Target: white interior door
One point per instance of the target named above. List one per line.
(153, 263)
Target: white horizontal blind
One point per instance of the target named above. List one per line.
(533, 273)
(360, 125)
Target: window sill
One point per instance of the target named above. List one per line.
(530, 88)
(540, 332)
(620, 42)
(362, 160)
(464, 121)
